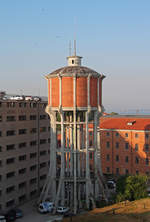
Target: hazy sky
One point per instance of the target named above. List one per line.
(113, 36)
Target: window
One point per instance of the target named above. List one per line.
(10, 174)
(10, 160)
(146, 135)
(22, 158)
(42, 153)
(22, 145)
(0, 118)
(49, 140)
(107, 134)
(43, 177)
(11, 118)
(22, 198)
(33, 143)
(126, 134)
(72, 61)
(33, 167)
(0, 163)
(117, 134)
(117, 170)
(10, 203)
(22, 185)
(146, 147)
(0, 149)
(107, 169)
(126, 146)
(10, 133)
(32, 117)
(22, 131)
(136, 135)
(10, 147)
(107, 144)
(22, 118)
(33, 130)
(136, 160)
(136, 147)
(90, 133)
(33, 180)
(91, 143)
(126, 171)
(91, 156)
(0, 177)
(117, 145)
(42, 141)
(147, 161)
(33, 193)
(42, 117)
(32, 155)
(137, 172)
(0, 133)
(42, 165)
(42, 129)
(117, 158)
(10, 189)
(22, 171)
(107, 157)
(126, 159)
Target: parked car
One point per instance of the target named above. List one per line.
(46, 207)
(17, 98)
(2, 218)
(10, 215)
(62, 210)
(36, 98)
(111, 184)
(28, 98)
(19, 213)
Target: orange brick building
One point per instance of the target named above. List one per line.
(125, 144)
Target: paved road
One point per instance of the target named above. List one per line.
(32, 215)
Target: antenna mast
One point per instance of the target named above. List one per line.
(69, 48)
(74, 47)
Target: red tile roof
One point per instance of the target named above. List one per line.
(124, 122)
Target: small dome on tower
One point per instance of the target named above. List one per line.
(74, 60)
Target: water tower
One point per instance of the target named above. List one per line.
(74, 107)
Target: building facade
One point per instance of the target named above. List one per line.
(24, 151)
(125, 145)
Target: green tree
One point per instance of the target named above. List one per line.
(136, 187)
(131, 188)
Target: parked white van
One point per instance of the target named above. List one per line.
(46, 207)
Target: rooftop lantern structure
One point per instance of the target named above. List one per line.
(74, 106)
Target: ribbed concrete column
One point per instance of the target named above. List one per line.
(60, 191)
(95, 152)
(62, 158)
(75, 145)
(78, 142)
(87, 160)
